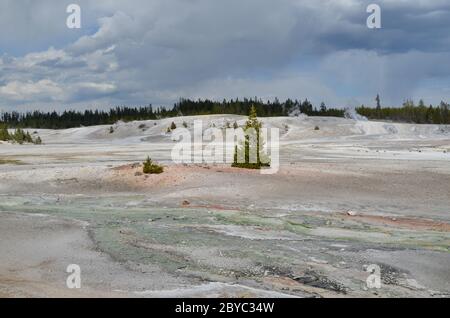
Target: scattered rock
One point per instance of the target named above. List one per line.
(314, 279)
(138, 174)
(389, 275)
(412, 283)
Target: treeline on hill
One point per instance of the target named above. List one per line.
(410, 113)
(69, 119)
(187, 107)
(264, 109)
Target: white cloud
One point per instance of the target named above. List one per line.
(140, 52)
(95, 89)
(28, 91)
(34, 59)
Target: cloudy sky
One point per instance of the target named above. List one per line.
(137, 52)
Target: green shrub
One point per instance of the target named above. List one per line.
(152, 168)
(10, 162)
(248, 146)
(19, 136)
(4, 134)
(38, 140)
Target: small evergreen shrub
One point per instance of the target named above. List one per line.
(38, 141)
(4, 134)
(19, 136)
(143, 127)
(152, 168)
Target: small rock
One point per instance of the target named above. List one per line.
(351, 213)
(318, 261)
(138, 174)
(186, 203)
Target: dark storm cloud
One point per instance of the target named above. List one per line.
(137, 52)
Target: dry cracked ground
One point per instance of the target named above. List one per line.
(348, 195)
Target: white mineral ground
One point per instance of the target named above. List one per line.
(350, 194)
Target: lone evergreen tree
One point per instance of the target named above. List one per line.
(378, 109)
(378, 100)
(253, 144)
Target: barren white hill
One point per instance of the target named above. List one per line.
(348, 194)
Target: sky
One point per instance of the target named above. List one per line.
(140, 52)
